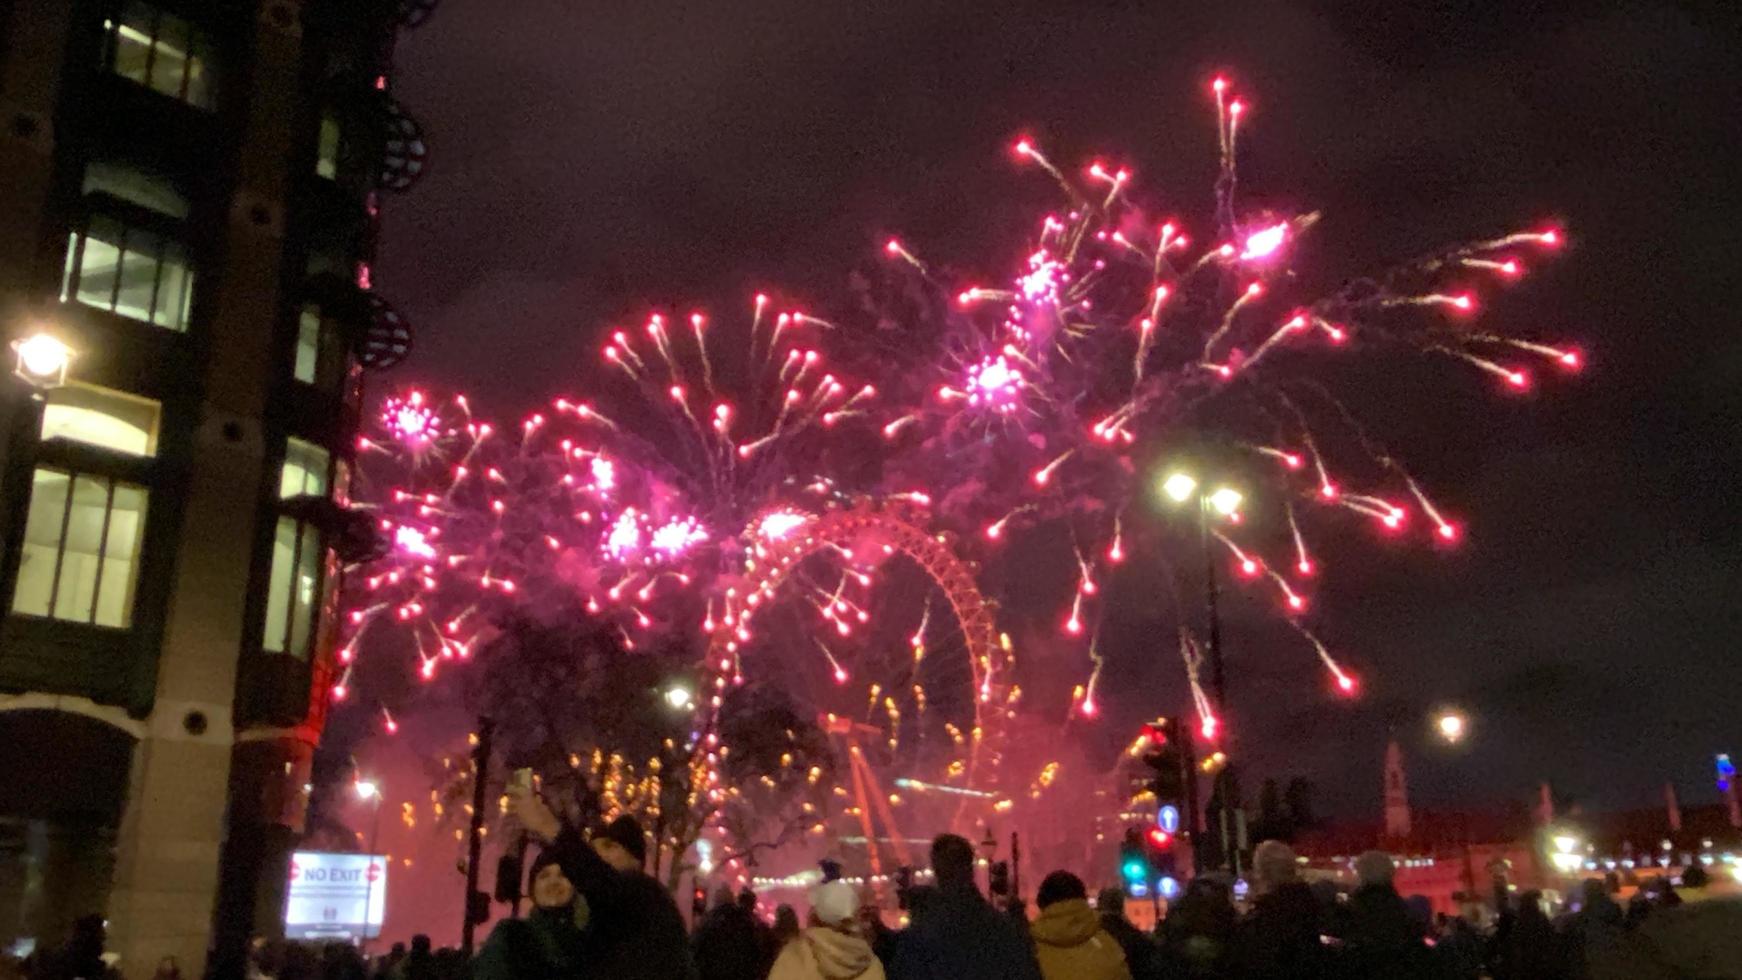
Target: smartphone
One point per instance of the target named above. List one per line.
(522, 779)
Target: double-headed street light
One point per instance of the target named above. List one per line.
(1220, 502)
(1182, 487)
(1223, 502)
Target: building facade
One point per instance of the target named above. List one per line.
(188, 202)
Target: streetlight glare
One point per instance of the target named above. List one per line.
(1452, 725)
(678, 697)
(42, 359)
(1225, 501)
(1179, 487)
(367, 790)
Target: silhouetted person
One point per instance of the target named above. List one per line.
(1529, 949)
(1142, 955)
(1383, 937)
(786, 926)
(1281, 938)
(956, 934)
(1198, 930)
(81, 957)
(389, 964)
(419, 964)
(727, 943)
(1594, 931)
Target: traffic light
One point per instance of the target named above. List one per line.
(698, 904)
(1134, 861)
(999, 879)
(1165, 757)
(1163, 862)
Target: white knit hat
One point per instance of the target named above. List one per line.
(834, 903)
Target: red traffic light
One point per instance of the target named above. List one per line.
(1159, 838)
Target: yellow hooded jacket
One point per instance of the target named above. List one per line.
(1071, 945)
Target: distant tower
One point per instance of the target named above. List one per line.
(1396, 794)
(1674, 807)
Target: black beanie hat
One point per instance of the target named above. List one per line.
(546, 857)
(626, 831)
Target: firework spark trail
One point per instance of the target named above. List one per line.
(1073, 310)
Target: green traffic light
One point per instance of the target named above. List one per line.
(1136, 870)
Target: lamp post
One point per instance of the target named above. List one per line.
(1183, 488)
(369, 792)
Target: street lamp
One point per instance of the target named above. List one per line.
(1223, 502)
(1566, 849)
(369, 792)
(1452, 725)
(41, 361)
(679, 698)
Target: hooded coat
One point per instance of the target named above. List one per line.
(1071, 944)
(821, 953)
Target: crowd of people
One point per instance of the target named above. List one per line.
(596, 913)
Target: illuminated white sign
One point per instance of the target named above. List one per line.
(335, 896)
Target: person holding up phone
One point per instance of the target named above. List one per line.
(634, 931)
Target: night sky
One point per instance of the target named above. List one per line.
(590, 161)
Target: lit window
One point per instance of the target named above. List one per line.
(80, 558)
(321, 355)
(308, 344)
(150, 191)
(305, 470)
(295, 589)
(327, 150)
(138, 274)
(100, 417)
(160, 51)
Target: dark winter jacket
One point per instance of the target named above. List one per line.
(546, 945)
(634, 931)
(1142, 955)
(958, 935)
(1282, 938)
(729, 946)
(1383, 939)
